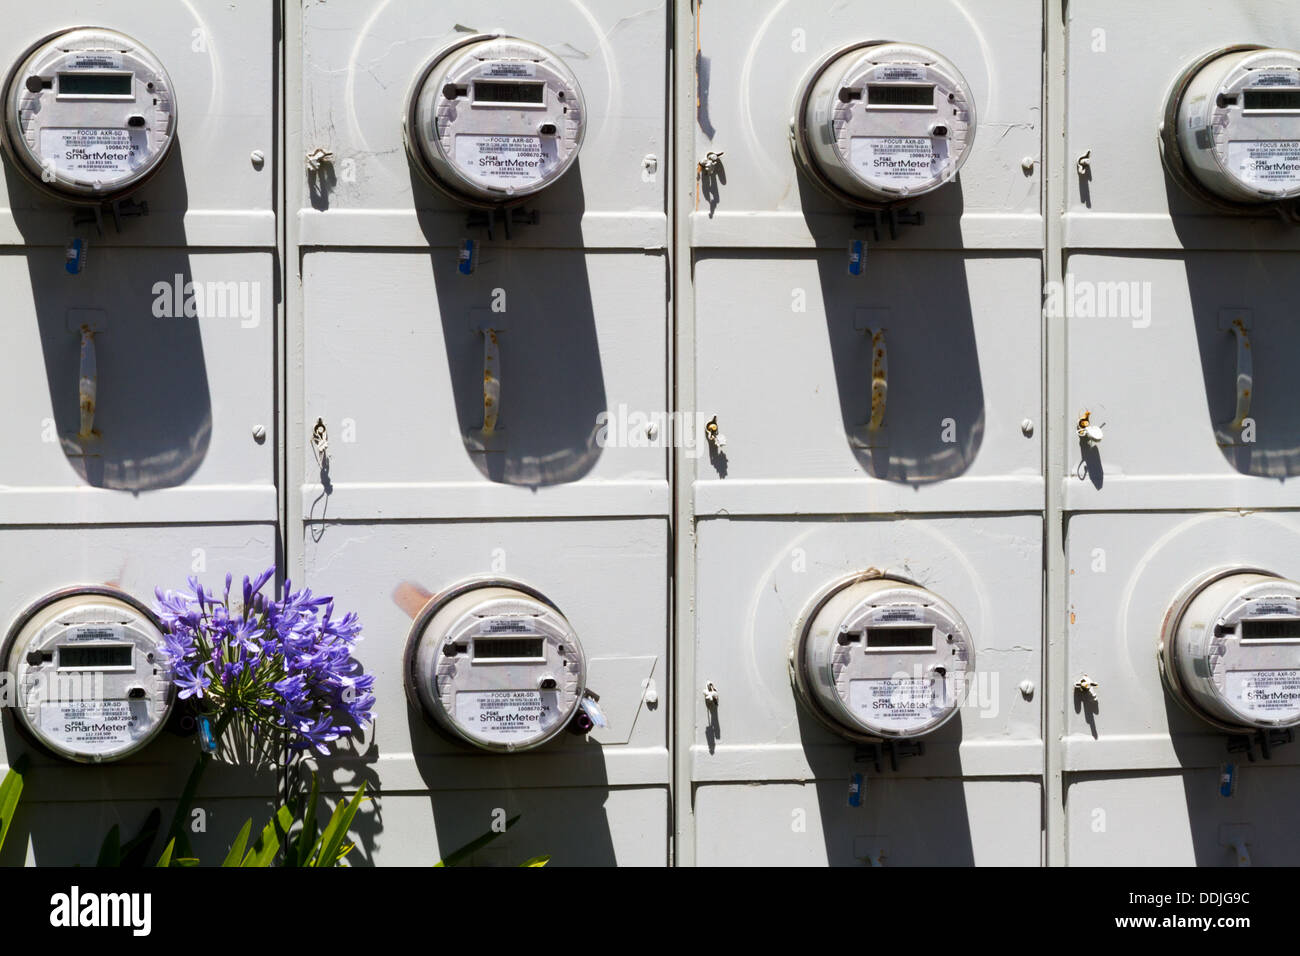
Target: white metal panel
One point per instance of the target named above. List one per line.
(1181, 819)
(607, 579)
(751, 59)
(359, 60)
(899, 823)
(394, 366)
(785, 362)
(37, 560)
(178, 396)
(220, 57)
(1125, 572)
(1154, 359)
(1116, 87)
(756, 577)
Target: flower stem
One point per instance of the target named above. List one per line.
(178, 830)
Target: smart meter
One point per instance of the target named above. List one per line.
(495, 664)
(878, 122)
(1230, 649)
(881, 657)
(90, 677)
(1232, 126)
(89, 114)
(494, 119)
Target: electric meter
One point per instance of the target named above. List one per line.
(89, 114)
(1230, 650)
(89, 672)
(495, 664)
(879, 122)
(494, 119)
(1232, 126)
(881, 657)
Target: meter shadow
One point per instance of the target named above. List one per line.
(1262, 810)
(558, 791)
(933, 399)
(536, 302)
(916, 817)
(122, 319)
(1260, 289)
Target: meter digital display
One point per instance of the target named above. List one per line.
(494, 119)
(1231, 129)
(876, 123)
(496, 665)
(1230, 650)
(94, 685)
(89, 115)
(878, 657)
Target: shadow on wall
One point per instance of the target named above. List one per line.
(933, 420)
(569, 824)
(1251, 372)
(538, 304)
(1261, 289)
(1256, 811)
(152, 419)
(899, 820)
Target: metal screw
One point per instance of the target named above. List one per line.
(258, 158)
(1027, 428)
(652, 431)
(1027, 164)
(1027, 689)
(259, 434)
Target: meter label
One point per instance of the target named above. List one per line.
(95, 151)
(1274, 695)
(510, 68)
(505, 160)
(1266, 162)
(898, 160)
(1287, 78)
(901, 74)
(502, 715)
(897, 703)
(93, 726)
(94, 61)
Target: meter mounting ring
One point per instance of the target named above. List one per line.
(803, 153)
(804, 626)
(1169, 628)
(1170, 154)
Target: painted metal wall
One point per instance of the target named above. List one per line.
(640, 297)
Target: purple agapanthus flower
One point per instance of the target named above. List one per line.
(285, 666)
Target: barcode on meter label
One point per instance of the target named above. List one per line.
(898, 160)
(1266, 162)
(1274, 695)
(505, 715)
(897, 703)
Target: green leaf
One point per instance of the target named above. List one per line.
(110, 852)
(179, 828)
(10, 790)
(337, 829)
(458, 857)
(236, 854)
(268, 844)
(136, 850)
(307, 838)
(537, 861)
(187, 861)
(282, 828)
(166, 859)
